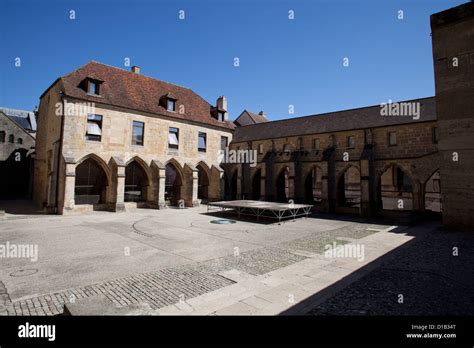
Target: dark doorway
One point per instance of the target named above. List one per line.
(256, 185)
(394, 190)
(282, 186)
(135, 182)
(313, 187)
(433, 193)
(203, 184)
(91, 183)
(16, 173)
(173, 184)
(348, 188)
(233, 186)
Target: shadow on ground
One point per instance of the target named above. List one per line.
(429, 275)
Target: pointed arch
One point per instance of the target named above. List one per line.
(92, 178)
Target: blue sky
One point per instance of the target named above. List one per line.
(283, 62)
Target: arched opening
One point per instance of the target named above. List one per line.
(233, 186)
(91, 183)
(136, 182)
(394, 190)
(173, 184)
(256, 185)
(313, 186)
(282, 186)
(433, 193)
(348, 188)
(203, 184)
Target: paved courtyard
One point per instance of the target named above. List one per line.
(175, 261)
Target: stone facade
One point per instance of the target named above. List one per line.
(453, 55)
(368, 151)
(62, 146)
(17, 146)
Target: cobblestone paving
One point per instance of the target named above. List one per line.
(315, 243)
(431, 279)
(164, 287)
(158, 289)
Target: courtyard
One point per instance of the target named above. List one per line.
(175, 261)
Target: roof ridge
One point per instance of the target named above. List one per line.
(335, 112)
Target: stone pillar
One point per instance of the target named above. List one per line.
(417, 197)
(324, 188)
(116, 198)
(195, 201)
(158, 185)
(263, 178)
(365, 188)
(69, 187)
(239, 182)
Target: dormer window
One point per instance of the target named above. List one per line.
(93, 88)
(220, 116)
(91, 85)
(171, 105)
(168, 101)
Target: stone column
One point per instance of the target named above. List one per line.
(195, 202)
(116, 196)
(69, 187)
(239, 181)
(158, 184)
(263, 178)
(364, 188)
(324, 187)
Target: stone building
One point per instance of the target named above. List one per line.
(17, 146)
(247, 117)
(356, 160)
(453, 55)
(114, 139)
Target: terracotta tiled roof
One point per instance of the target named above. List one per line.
(368, 117)
(130, 90)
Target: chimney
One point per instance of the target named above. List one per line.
(222, 103)
(136, 69)
(261, 113)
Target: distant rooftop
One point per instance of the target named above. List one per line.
(24, 119)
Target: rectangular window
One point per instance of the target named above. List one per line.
(171, 105)
(435, 135)
(138, 129)
(350, 142)
(2, 136)
(260, 149)
(316, 144)
(224, 143)
(173, 138)
(220, 115)
(392, 138)
(94, 127)
(286, 148)
(93, 88)
(202, 142)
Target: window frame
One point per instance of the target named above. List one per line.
(219, 114)
(390, 138)
(350, 142)
(260, 149)
(435, 135)
(226, 142)
(202, 149)
(3, 136)
(168, 102)
(11, 139)
(173, 146)
(134, 142)
(96, 85)
(316, 144)
(99, 123)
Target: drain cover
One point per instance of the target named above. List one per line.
(223, 222)
(24, 272)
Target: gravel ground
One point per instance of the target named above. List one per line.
(431, 279)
